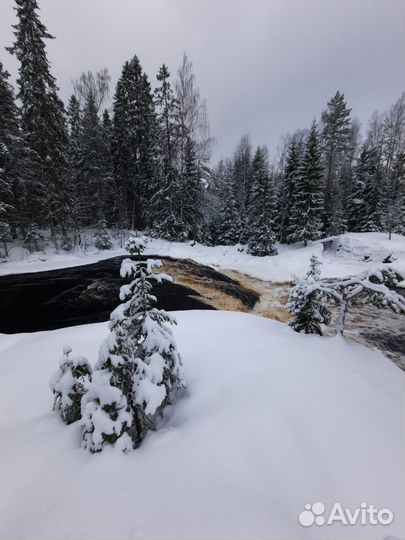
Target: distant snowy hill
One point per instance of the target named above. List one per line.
(273, 420)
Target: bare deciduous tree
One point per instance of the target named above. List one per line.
(193, 117)
(95, 86)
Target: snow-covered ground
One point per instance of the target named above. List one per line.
(349, 254)
(273, 420)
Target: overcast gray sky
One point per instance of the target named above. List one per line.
(265, 66)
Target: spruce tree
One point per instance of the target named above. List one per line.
(306, 211)
(139, 360)
(260, 212)
(229, 230)
(149, 170)
(291, 178)
(242, 175)
(102, 236)
(93, 175)
(9, 139)
(192, 192)
(43, 121)
(364, 198)
(393, 218)
(307, 303)
(75, 127)
(168, 201)
(134, 134)
(109, 209)
(69, 384)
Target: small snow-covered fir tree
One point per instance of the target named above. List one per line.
(139, 359)
(69, 384)
(102, 236)
(106, 417)
(307, 302)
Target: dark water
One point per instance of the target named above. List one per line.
(77, 295)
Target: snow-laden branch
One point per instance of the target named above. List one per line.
(374, 286)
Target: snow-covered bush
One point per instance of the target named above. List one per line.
(307, 302)
(106, 417)
(102, 237)
(69, 383)
(139, 360)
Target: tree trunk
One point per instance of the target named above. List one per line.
(342, 316)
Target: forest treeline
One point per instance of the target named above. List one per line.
(145, 163)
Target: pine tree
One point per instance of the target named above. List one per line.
(306, 211)
(336, 140)
(260, 213)
(43, 121)
(69, 384)
(139, 359)
(307, 303)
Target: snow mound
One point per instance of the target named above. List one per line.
(273, 420)
(343, 255)
(368, 248)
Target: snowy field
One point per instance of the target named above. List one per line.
(350, 253)
(273, 420)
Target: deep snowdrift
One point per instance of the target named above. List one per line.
(273, 420)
